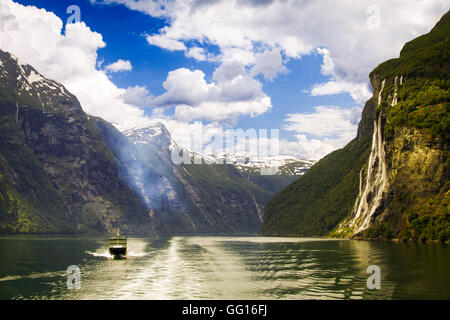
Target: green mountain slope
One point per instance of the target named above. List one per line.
(225, 199)
(56, 172)
(393, 179)
(316, 202)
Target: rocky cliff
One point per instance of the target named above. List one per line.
(396, 181)
(57, 174)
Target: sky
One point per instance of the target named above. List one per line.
(209, 65)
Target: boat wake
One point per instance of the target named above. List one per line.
(34, 275)
(102, 254)
(107, 255)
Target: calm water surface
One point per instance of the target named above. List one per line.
(34, 267)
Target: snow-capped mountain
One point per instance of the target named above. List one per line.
(267, 165)
(158, 135)
(207, 198)
(35, 89)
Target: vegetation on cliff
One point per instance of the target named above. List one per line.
(57, 175)
(414, 114)
(316, 202)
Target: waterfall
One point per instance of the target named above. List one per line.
(394, 99)
(371, 194)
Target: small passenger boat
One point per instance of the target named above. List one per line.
(118, 246)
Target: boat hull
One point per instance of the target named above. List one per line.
(118, 246)
(118, 252)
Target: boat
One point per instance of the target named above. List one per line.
(118, 246)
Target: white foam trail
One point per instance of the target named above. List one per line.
(104, 254)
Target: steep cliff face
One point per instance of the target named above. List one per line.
(373, 180)
(57, 173)
(405, 185)
(402, 186)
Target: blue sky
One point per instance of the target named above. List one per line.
(302, 68)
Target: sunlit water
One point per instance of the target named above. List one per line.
(34, 267)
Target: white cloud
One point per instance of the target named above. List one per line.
(217, 111)
(184, 87)
(138, 96)
(269, 64)
(360, 92)
(289, 30)
(239, 28)
(200, 54)
(327, 67)
(155, 8)
(165, 42)
(196, 53)
(119, 65)
(231, 94)
(34, 35)
(252, 38)
(305, 148)
(326, 121)
(321, 132)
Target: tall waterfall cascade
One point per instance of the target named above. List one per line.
(373, 178)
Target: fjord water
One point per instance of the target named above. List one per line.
(34, 267)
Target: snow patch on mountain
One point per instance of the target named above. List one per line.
(157, 133)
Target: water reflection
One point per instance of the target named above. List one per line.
(222, 268)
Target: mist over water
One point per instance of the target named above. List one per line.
(221, 268)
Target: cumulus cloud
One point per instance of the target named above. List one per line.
(137, 96)
(326, 121)
(306, 148)
(230, 94)
(315, 134)
(164, 42)
(253, 38)
(269, 64)
(155, 8)
(320, 132)
(119, 65)
(184, 87)
(297, 28)
(360, 92)
(258, 37)
(34, 35)
(70, 57)
(201, 54)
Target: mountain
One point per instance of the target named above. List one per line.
(195, 198)
(57, 174)
(392, 180)
(265, 165)
(62, 171)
